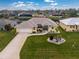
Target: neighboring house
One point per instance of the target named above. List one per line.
(70, 24)
(35, 24)
(39, 15)
(4, 22)
(24, 15)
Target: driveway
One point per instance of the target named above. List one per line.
(12, 50)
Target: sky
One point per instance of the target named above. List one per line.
(38, 4)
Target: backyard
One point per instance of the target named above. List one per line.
(37, 47)
(5, 38)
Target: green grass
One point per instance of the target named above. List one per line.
(5, 38)
(54, 18)
(37, 47)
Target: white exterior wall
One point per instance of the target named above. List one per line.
(68, 28)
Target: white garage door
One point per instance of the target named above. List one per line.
(24, 30)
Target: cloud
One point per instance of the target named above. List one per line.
(47, 7)
(49, 0)
(54, 4)
(24, 5)
(32, 5)
(18, 4)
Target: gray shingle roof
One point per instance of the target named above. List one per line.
(70, 21)
(3, 22)
(34, 21)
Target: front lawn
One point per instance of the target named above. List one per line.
(37, 47)
(5, 38)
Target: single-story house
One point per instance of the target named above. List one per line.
(34, 23)
(24, 16)
(4, 22)
(70, 24)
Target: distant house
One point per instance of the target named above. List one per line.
(70, 24)
(4, 22)
(39, 15)
(36, 24)
(25, 15)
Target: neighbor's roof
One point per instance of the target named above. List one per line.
(70, 21)
(34, 21)
(3, 22)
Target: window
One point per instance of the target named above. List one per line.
(72, 26)
(45, 27)
(39, 25)
(76, 26)
(33, 28)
